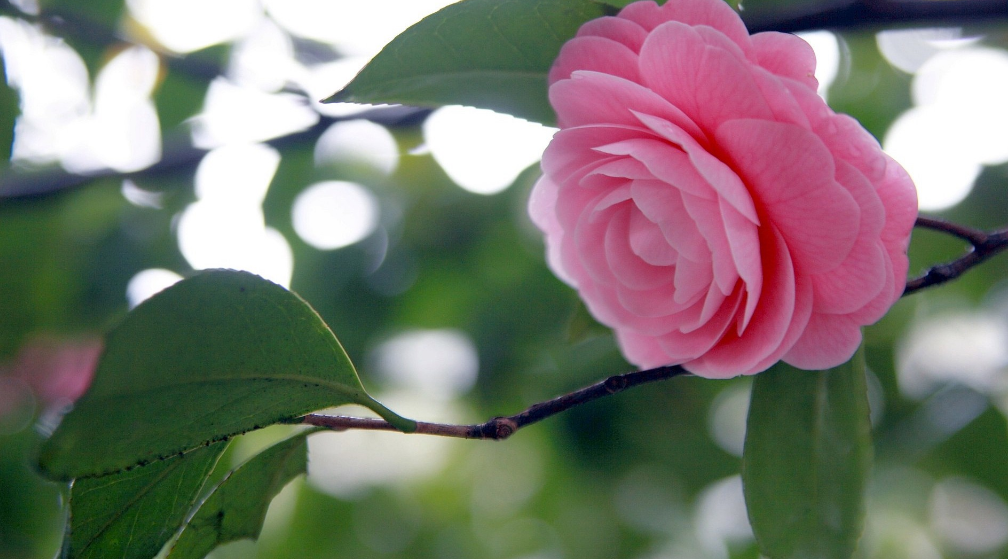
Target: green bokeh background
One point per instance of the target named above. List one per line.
(620, 477)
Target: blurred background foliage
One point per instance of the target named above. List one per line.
(155, 137)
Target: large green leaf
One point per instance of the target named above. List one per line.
(215, 355)
(806, 460)
(133, 513)
(493, 54)
(237, 507)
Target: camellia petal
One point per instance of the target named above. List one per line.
(596, 54)
(711, 85)
(791, 174)
(627, 32)
(707, 204)
(786, 55)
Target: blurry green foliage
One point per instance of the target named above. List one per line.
(624, 477)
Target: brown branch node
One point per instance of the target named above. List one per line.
(502, 427)
(983, 246)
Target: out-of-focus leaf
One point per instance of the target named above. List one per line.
(219, 354)
(237, 507)
(92, 30)
(103, 12)
(9, 109)
(493, 54)
(133, 513)
(806, 460)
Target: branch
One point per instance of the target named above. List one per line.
(180, 155)
(76, 25)
(983, 245)
(875, 14)
(500, 428)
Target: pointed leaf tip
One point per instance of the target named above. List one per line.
(490, 54)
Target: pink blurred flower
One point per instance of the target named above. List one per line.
(707, 204)
(56, 372)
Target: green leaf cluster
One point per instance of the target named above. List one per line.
(216, 355)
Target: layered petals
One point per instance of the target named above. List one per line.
(707, 204)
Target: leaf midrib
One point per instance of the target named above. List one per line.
(818, 445)
(373, 84)
(297, 379)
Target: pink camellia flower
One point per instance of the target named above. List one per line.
(707, 204)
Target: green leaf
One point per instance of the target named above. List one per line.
(132, 514)
(806, 461)
(493, 54)
(237, 507)
(213, 356)
(9, 110)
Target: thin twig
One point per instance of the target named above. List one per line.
(983, 245)
(861, 14)
(878, 14)
(500, 428)
(179, 155)
(968, 234)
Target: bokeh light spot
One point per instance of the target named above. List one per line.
(827, 52)
(215, 234)
(909, 49)
(237, 173)
(360, 28)
(956, 126)
(59, 121)
(225, 228)
(240, 114)
(968, 517)
(358, 142)
(727, 418)
(54, 90)
(439, 363)
(967, 348)
(147, 283)
(188, 25)
(483, 151)
(347, 464)
(919, 141)
(334, 214)
(263, 59)
(721, 518)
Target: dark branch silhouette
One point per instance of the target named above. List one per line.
(983, 245)
(877, 14)
(500, 428)
(179, 156)
(859, 14)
